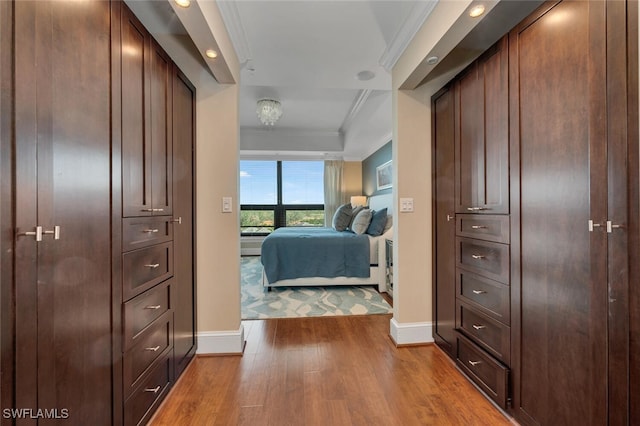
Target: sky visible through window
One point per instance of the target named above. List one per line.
(302, 182)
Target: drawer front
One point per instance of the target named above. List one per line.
(492, 335)
(490, 375)
(485, 258)
(486, 227)
(140, 406)
(152, 344)
(144, 268)
(488, 296)
(139, 232)
(142, 310)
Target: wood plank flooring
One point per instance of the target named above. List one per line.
(325, 371)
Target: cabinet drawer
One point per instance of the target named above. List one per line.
(152, 345)
(485, 258)
(488, 227)
(488, 296)
(139, 232)
(144, 268)
(142, 310)
(492, 335)
(490, 375)
(140, 406)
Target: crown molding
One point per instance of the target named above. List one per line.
(421, 10)
(358, 102)
(237, 33)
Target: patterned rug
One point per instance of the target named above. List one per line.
(292, 302)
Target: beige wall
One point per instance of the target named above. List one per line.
(412, 171)
(352, 178)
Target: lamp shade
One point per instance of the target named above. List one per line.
(358, 200)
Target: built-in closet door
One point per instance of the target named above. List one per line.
(62, 194)
(184, 286)
(568, 195)
(444, 289)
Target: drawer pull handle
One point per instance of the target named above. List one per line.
(477, 256)
(479, 291)
(479, 327)
(476, 209)
(478, 227)
(152, 265)
(146, 210)
(150, 231)
(474, 363)
(157, 210)
(152, 349)
(154, 307)
(153, 390)
(178, 220)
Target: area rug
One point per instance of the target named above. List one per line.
(292, 302)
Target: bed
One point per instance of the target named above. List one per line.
(294, 257)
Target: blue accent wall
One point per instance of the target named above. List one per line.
(369, 165)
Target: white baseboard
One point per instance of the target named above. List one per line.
(221, 342)
(411, 333)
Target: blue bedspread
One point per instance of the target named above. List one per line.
(314, 252)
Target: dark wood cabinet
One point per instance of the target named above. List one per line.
(444, 225)
(146, 79)
(482, 134)
(545, 310)
(58, 305)
(184, 296)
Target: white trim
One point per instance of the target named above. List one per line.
(377, 145)
(411, 333)
(221, 342)
(358, 102)
(412, 25)
(237, 33)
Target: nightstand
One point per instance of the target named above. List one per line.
(388, 246)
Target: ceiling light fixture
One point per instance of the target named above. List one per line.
(211, 53)
(269, 111)
(476, 11)
(183, 3)
(432, 60)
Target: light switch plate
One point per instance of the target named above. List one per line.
(226, 205)
(406, 205)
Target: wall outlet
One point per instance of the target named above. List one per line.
(226, 205)
(406, 205)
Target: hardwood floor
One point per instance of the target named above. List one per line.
(325, 371)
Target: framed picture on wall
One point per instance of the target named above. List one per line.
(384, 176)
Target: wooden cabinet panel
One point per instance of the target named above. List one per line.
(559, 269)
(139, 232)
(184, 289)
(483, 257)
(482, 142)
(62, 165)
(142, 310)
(444, 221)
(144, 268)
(483, 227)
(490, 375)
(148, 394)
(488, 296)
(490, 334)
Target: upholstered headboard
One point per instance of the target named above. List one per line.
(377, 202)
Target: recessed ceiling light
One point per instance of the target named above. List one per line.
(432, 60)
(211, 53)
(183, 3)
(476, 11)
(365, 75)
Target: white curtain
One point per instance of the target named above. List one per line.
(333, 188)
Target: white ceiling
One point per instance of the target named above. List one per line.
(306, 54)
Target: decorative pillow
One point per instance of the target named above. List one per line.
(354, 213)
(378, 221)
(361, 221)
(389, 224)
(342, 217)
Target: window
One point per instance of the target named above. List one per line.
(280, 193)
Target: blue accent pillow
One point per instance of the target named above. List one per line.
(342, 217)
(378, 220)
